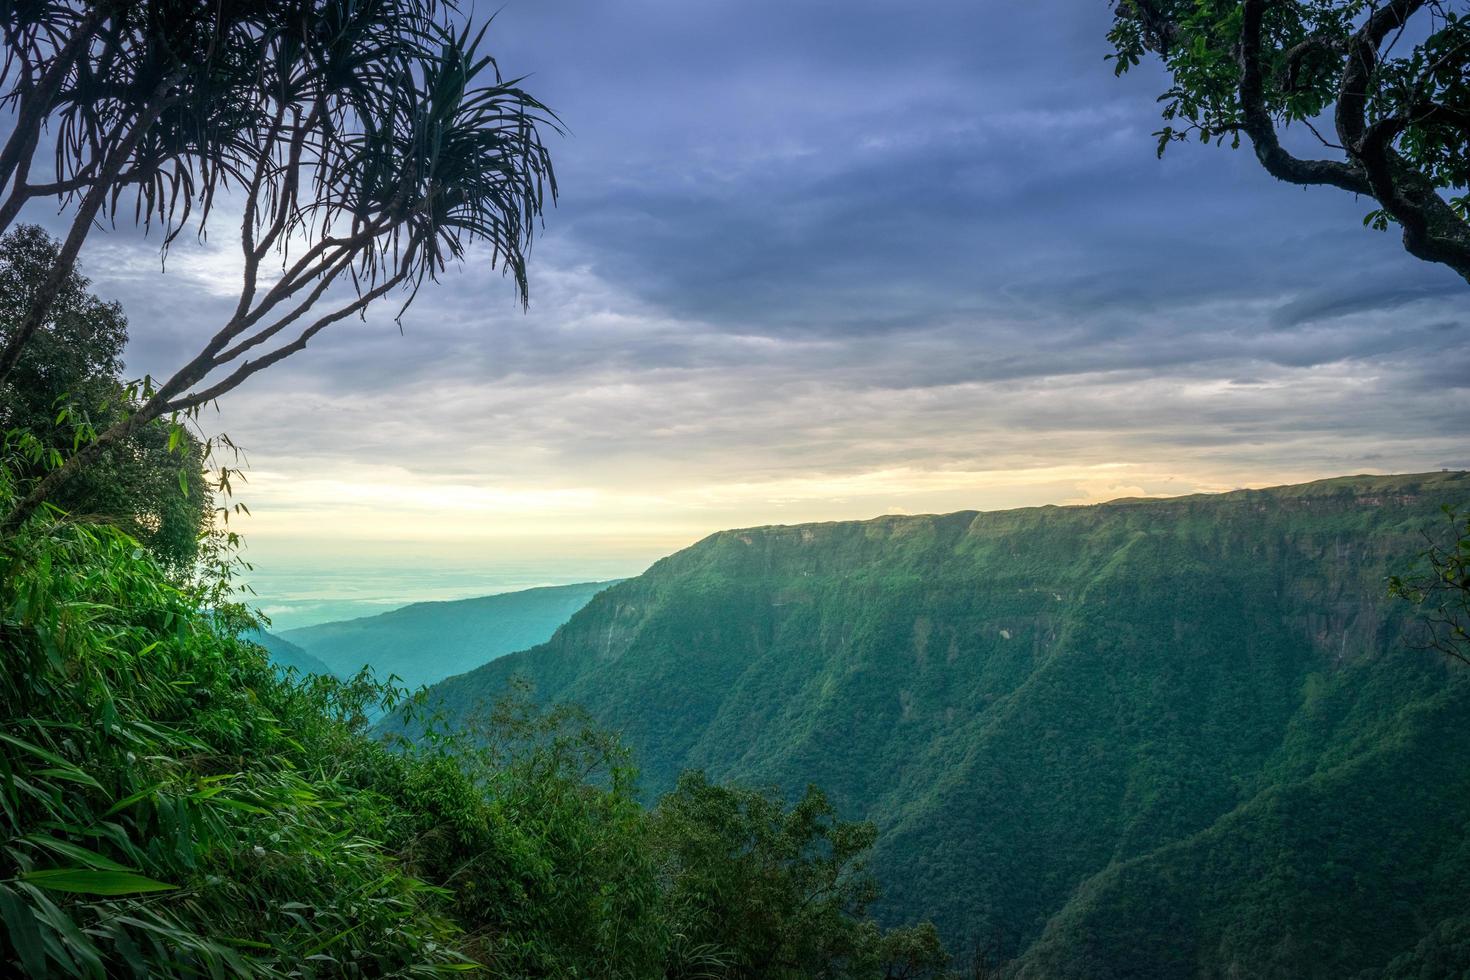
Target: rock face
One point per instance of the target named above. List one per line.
(1146, 738)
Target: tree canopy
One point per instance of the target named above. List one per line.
(1382, 89)
(776, 891)
(68, 384)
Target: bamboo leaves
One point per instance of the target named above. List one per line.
(90, 881)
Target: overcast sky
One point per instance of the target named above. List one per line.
(820, 260)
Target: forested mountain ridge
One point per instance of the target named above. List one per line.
(1144, 738)
(427, 641)
(285, 654)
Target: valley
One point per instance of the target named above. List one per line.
(1142, 738)
(425, 642)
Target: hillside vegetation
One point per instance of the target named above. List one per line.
(174, 804)
(1150, 738)
(429, 641)
(285, 654)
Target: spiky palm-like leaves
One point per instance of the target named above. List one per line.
(369, 143)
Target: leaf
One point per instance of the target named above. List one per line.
(67, 944)
(128, 801)
(128, 949)
(24, 934)
(46, 754)
(240, 805)
(71, 774)
(76, 852)
(84, 881)
(249, 943)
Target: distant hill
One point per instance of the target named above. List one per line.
(429, 641)
(1150, 738)
(284, 653)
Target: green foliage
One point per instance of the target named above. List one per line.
(1441, 590)
(533, 820)
(1304, 48)
(170, 805)
(1200, 43)
(173, 804)
(67, 387)
(767, 891)
(1380, 88)
(1133, 739)
(1441, 955)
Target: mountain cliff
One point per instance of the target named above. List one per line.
(1181, 737)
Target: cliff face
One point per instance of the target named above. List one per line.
(1086, 734)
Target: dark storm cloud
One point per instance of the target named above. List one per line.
(845, 169)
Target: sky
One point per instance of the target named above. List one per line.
(820, 261)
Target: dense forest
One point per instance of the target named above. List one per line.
(1147, 738)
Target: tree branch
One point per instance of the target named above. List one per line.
(81, 225)
(1261, 129)
(248, 368)
(1298, 53)
(47, 486)
(328, 276)
(1432, 229)
(1440, 115)
(1362, 62)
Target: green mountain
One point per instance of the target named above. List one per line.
(1150, 738)
(429, 641)
(284, 653)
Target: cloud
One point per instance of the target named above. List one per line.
(819, 260)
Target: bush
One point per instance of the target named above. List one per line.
(171, 804)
